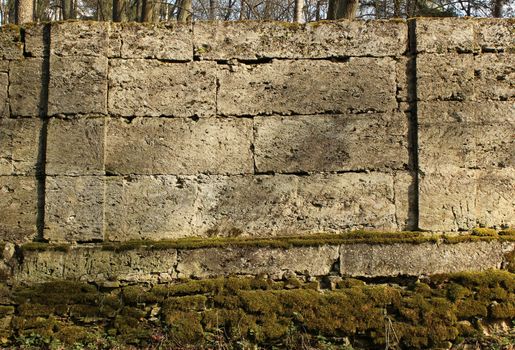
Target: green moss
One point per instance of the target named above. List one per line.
(504, 310)
(72, 334)
(6, 310)
(480, 231)
(185, 303)
(41, 247)
(184, 327)
(507, 232)
(472, 308)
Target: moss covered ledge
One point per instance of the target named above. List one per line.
(241, 312)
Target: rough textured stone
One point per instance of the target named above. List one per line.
(331, 143)
(405, 197)
(74, 208)
(447, 201)
(179, 146)
(214, 262)
(77, 85)
(19, 146)
(404, 77)
(445, 77)
(149, 207)
(493, 34)
(441, 35)
(4, 100)
(167, 41)
(495, 202)
(248, 40)
(79, 38)
(35, 43)
(469, 112)
(75, 147)
(154, 88)
(156, 207)
(94, 264)
(308, 87)
(25, 89)
(11, 46)
(495, 77)
(367, 260)
(18, 208)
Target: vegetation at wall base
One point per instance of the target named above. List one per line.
(257, 313)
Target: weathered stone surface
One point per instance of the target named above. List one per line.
(495, 202)
(11, 46)
(74, 208)
(214, 262)
(156, 207)
(35, 43)
(493, 34)
(77, 85)
(308, 87)
(75, 146)
(469, 112)
(19, 146)
(4, 98)
(442, 35)
(367, 260)
(25, 89)
(447, 201)
(445, 77)
(331, 143)
(149, 207)
(405, 200)
(404, 77)
(168, 41)
(179, 146)
(248, 40)
(154, 88)
(94, 264)
(495, 76)
(79, 38)
(18, 208)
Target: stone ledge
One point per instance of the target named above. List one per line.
(391, 254)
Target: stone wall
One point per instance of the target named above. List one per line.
(114, 132)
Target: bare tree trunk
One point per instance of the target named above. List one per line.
(65, 7)
(24, 11)
(397, 8)
(147, 11)
(298, 16)
(347, 9)
(119, 10)
(317, 11)
(331, 11)
(497, 9)
(212, 10)
(185, 11)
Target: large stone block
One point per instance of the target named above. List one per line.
(249, 40)
(331, 143)
(75, 146)
(36, 37)
(447, 201)
(495, 35)
(74, 208)
(495, 76)
(93, 264)
(150, 207)
(4, 97)
(442, 35)
(166, 41)
(155, 88)
(78, 85)
(179, 146)
(25, 89)
(79, 38)
(405, 193)
(445, 77)
(157, 207)
(468, 112)
(308, 87)
(19, 146)
(18, 208)
(275, 263)
(495, 203)
(379, 260)
(11, 46)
